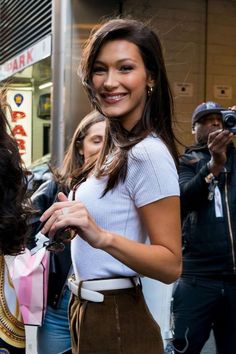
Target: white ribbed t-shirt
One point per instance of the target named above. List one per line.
(151, 175)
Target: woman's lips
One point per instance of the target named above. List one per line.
(113, 98)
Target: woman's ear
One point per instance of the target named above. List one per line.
(150, 86)
(80, 147)
(151, 82)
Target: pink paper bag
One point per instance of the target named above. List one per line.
(29, 274)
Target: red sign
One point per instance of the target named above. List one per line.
(17, 115)
(21, 121)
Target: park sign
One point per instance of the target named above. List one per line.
(29, 56)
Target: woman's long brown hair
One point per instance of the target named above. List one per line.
(158, 111)
(14, 207)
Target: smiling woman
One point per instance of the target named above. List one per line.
(120, 80)
(127, 212)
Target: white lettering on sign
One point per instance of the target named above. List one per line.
(31, 55)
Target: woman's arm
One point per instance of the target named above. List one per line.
(161, 259)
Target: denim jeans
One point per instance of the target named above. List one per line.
(54, 336)
(201, 304)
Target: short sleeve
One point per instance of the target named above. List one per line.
(151, 173)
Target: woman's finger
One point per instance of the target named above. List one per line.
(54, 207)
(62, 212)
(69, 217)
(48, 225)
(62, 197)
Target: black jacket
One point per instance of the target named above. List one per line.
(209, 242)
(60, 263)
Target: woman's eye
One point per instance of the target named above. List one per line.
(98, 69)
(126, 68)
(97, 141)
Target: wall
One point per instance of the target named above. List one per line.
(198, 39)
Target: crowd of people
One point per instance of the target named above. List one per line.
(118, 204)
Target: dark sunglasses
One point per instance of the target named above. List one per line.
(61, 236)
(54, 246)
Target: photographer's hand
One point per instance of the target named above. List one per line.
(233, 108)
(217, 145)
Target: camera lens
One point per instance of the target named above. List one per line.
(230, 121)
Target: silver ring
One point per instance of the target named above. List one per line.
(64, 211)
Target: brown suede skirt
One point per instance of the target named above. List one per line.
(121, 324)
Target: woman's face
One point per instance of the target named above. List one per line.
(93, 141)
(120, 81)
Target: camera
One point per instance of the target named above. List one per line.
(229, 120)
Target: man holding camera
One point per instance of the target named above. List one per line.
(205, 295)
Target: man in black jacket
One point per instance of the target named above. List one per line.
(205, 296)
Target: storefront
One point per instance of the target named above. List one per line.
(28, 80)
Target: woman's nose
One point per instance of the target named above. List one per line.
(110, 81)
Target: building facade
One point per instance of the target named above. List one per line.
(25, 69)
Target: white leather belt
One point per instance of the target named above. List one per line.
(90, 289)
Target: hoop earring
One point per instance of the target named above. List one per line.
(150, 90)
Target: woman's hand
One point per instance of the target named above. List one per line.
(73, 214)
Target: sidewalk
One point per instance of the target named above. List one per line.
(209, 347)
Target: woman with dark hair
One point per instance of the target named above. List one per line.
(127, 212)
(53, 336)
(14, 214)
